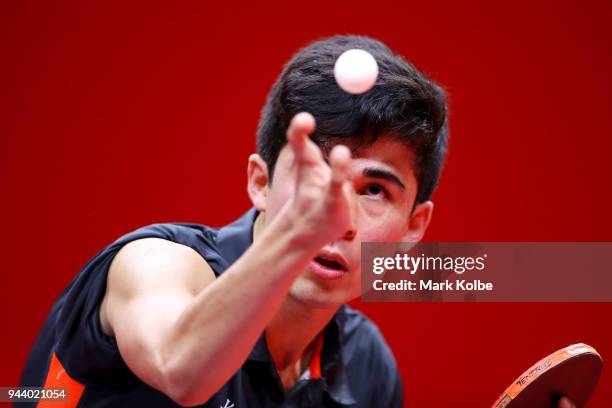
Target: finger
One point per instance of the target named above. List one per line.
(301, 125)
(565, 403)
(339, 160)
(349, 193)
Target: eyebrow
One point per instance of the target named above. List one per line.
(374, 172)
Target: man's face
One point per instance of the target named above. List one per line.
(385, 188)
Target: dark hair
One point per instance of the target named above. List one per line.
(404, 104)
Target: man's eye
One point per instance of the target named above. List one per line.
(375, 190)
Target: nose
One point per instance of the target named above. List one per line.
(350, 234)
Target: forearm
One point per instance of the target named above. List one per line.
(215, 333)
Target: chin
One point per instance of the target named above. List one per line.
(319, 295)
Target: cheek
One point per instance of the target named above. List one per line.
(386, 227)
(371, 207)
(279, 193)
(283, 184)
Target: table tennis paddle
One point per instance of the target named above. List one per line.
(572, 372)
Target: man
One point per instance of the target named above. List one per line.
(253, 314)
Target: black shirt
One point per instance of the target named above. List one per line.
(357, 368)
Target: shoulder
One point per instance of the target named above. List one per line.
(188, 234)
(169, 252)
(153, 261)
(81, 316)
(359, 335)
(183, 240)
(368, 360)
(162, 261)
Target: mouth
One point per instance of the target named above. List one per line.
(330, 263)
(329, 266)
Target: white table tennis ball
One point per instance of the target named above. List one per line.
(356, 71)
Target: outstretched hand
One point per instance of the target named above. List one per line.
(323, 195)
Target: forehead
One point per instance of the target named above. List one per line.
(386, 153)
(385, 150)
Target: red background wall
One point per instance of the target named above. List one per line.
(119, 115)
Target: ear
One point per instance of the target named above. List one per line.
(257, 184)
(418, 222)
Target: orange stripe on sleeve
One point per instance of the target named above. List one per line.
(57, 377)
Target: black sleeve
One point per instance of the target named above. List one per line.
(87, 354)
